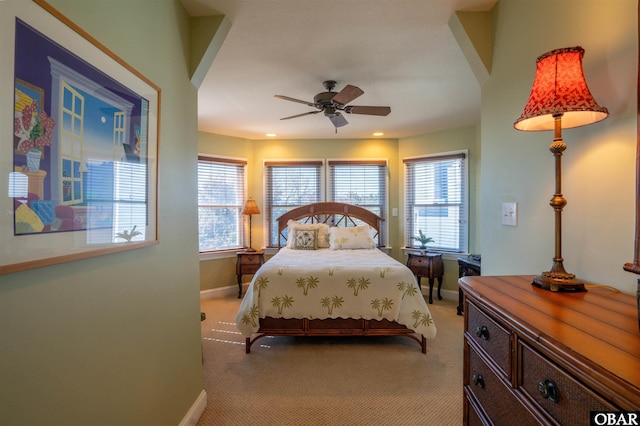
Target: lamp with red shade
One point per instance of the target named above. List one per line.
(559, 99)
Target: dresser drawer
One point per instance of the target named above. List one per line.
(499, 404)
(251, 259)
(490, 336)
(249, 269)
(567, 400)
(473, 418)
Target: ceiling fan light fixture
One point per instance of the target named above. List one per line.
(330, 103)
(330, 111)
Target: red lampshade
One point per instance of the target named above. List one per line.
(559, 88)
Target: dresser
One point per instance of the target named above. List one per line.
(533, 356)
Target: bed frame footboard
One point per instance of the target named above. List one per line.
(332, 327)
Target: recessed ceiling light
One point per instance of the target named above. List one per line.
(271, 135)
(378, 134)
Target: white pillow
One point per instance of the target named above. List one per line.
(352, 237)
(323, 232)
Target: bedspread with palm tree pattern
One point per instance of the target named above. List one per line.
(325, 283)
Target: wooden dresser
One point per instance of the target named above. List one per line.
(533, 356)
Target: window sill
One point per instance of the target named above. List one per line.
(213, 255)
(445, 254)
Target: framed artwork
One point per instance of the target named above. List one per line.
(80, 161)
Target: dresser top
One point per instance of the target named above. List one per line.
(594, 331)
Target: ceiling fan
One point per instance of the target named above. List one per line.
(331, 103)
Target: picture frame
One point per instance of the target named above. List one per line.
(80, 130)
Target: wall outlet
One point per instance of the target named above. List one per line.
(510, 214)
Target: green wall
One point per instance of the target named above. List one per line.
(115, 339)
(599, 163)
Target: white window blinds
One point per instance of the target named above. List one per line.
(289, 184)
(130, 198)
(436, 201)
(221, 196)
(360, 182)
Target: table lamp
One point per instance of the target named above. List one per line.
(250, 208)
(559, 99)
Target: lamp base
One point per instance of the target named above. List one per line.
(251, 249)
(558, 281)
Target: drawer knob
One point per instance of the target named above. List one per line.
(549, 390)
(482, 332)
(478, 380)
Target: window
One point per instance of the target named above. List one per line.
(289, 184)
(130, 197)
(117, 192)
(436, 201)
(360, 182)
(221, 196)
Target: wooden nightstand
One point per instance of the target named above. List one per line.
(248, 263)
(468, 266)
(427, 265)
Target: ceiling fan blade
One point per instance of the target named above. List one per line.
(338, 120)
(347, 94)
(300, 115)
(368, 110)
(287, 98)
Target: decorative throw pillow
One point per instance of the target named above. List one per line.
(305, 239)
(354, 237)
(29, 217)
(323, 232)
(45, 209)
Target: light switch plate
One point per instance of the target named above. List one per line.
(510, 214)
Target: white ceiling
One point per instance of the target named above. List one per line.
(401, 53)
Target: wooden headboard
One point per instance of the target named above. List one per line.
(333, 214)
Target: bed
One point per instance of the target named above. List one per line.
(331, 280)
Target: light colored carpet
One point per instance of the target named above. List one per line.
(332, 380)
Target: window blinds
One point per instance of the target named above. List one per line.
(221, 196)
(436, 201)
(360, 182)
(289, 184)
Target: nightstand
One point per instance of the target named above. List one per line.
(248, 263)
(468, 266)
(427, 265)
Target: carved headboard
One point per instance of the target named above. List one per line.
(331, 213)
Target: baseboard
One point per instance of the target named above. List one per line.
(196, 410)
(222, 291)
(446, 294)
